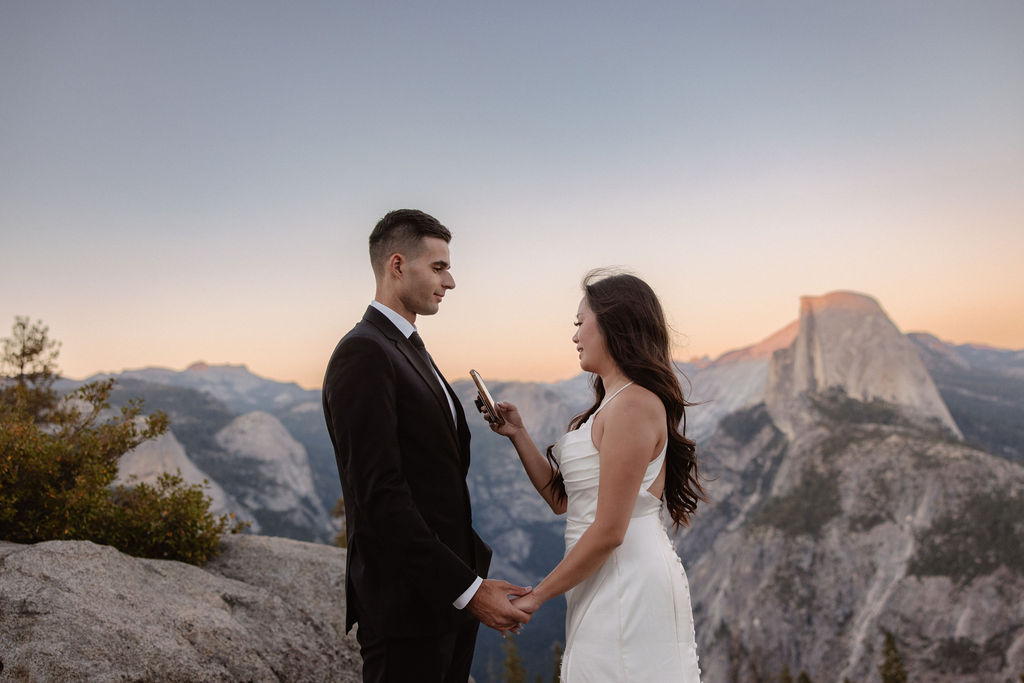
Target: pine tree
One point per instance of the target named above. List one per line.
(556, 673)
(891, 669)
(785, 676)
(514, 671)
(803, 677)
(28, 368)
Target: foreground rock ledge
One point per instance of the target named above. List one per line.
(266, 609)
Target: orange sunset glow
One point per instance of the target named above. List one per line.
(173, 191)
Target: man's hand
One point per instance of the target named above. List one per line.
(492, 607)
(529, 603)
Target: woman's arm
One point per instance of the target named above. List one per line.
(534, 462)
(633, 427)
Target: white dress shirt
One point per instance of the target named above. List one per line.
(407, 328)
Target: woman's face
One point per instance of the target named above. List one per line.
(589, 340)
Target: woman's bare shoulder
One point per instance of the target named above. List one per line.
(637, 402)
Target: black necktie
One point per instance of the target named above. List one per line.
(417, 341)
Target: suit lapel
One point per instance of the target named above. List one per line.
(380, 321)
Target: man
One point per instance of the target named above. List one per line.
(415, 572)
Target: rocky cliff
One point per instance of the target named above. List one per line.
(266, 609)
(165, 454)
(271, 464)
(276, 482)
(846, 505)
(734, 381)
(847, 343)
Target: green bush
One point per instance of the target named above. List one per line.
(168, 520)
(58, 461)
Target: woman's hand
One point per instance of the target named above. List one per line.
(529, 603)
(513, 420)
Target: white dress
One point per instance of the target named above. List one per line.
(631, 620)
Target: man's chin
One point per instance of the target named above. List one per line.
(429, 310)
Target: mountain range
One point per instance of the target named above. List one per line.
(861, 480)
(847, 503)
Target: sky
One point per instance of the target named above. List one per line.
(186, 181)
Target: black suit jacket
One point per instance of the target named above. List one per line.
(403, 462)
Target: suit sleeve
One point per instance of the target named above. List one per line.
(360, 394)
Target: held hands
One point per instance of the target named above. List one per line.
(509, 412)
(529, 603)
(491, 605)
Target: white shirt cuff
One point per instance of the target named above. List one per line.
(464, 599)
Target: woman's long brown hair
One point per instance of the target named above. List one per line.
(633, 325)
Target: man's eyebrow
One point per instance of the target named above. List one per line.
(442, 263)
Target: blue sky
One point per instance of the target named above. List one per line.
(193, 180)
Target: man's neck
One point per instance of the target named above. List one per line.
(395, 304)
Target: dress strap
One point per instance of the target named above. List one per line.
(608, 399)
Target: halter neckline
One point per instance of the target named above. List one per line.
(608, 399)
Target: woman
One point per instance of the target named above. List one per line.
(622, 460)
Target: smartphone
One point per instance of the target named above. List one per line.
(484, 400)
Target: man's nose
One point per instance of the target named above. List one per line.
(448, 282)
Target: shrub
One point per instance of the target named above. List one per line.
(168, 520)
(58, 461)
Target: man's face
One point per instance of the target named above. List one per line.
(426, 277)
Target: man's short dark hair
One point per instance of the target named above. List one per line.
(400, 231)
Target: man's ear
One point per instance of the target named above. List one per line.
(395, 265)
